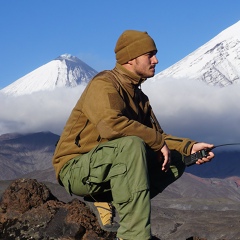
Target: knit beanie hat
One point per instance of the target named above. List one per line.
(132, 44)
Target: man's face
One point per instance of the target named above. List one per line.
(144, 65)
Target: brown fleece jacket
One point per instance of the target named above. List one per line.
(112, 106)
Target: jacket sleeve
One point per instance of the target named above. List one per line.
(182, 145)
(105, 108)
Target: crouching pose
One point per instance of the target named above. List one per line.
(113, 151)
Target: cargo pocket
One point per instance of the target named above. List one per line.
(119, 183)
(102, 169)
(100, 164)
(99, 172)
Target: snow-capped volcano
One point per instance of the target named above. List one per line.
(64, 71)
(217, 62)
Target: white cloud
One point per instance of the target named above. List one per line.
(41, 111)
(193, 109)
(184, 108)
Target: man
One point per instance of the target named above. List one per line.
(113, 149)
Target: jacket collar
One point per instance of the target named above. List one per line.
(129, 77)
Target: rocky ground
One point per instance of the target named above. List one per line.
(30, 210)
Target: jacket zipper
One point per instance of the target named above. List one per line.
(77, 139)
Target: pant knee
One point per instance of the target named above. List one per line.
(134, 142)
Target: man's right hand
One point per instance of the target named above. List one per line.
(164, 155)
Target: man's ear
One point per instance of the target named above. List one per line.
(128, 64)
(131, 62)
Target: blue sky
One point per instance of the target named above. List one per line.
(35, 32)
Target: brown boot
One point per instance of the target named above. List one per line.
(105, 213)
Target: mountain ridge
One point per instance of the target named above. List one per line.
(185, 202)
(33, 146)
(64, 71)
(24, 153)
(216, 63)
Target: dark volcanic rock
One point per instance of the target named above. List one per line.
(28, 210)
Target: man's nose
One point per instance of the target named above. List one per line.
(154, 59)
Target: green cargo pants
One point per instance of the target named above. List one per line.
(130, 170)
